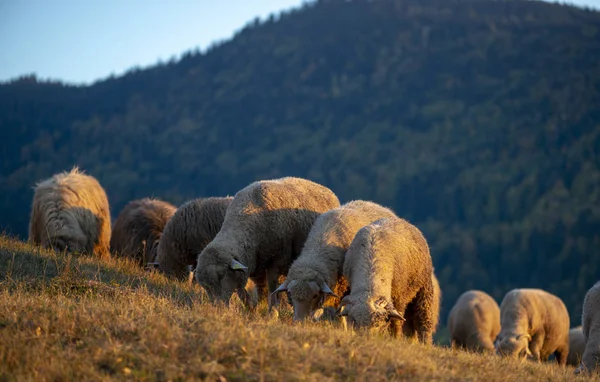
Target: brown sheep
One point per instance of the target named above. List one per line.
(534, 324)
(590, 325)
(70, 212)
(390, 274)
(137, 229)
(317, 272)
(474, 322)
(192, 227)
(576, 346)
(264, 230)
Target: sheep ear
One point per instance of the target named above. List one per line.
(237, 266)
(282, 288)
(394, 315)
(325, 289)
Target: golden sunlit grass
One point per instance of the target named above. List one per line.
(75, 318)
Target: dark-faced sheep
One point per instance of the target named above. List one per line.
(137, 229)
(390, 275)
(576, 346)
(188, 232)
(590, 325)
(474, 322)
(70, 212)
(264, 230)
(534, 324)
(317, 272)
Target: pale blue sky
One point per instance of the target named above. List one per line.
(80, 41)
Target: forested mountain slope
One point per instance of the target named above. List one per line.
(479, 121)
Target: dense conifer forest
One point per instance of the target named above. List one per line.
(477, 120)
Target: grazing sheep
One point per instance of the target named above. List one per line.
(317, 272)
(474, 322)
(389, 271)
(576, 346)
(590, 320)
(70, 212)
(192, 227)
(137, 229)
(264, 230)
(534, 324)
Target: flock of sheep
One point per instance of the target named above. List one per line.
(357, 261)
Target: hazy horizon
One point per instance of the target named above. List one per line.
(139, 34)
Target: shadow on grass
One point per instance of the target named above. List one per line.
(25, 266)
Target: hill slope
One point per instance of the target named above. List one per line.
(477, 120)
(80, 319)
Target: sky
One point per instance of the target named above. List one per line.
(81, 41)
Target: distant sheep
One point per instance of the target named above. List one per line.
(576, 346)
(474, 322)
(590, 321)
(264, 230)
(534, 324)
(317, 272)
(390, 274)
(188, 232)
(70, 212)
(137, 229)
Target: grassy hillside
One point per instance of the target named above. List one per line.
(76, 318)
(477, 120)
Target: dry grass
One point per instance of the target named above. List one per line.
(75, 318)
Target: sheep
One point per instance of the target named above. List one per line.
(317, 272)
(264, 230)
(534, 324)
(70, 212)
(474, 322)
(188, 232)
(390, 273)
(590, 325)
(576, 346)
(137, 229)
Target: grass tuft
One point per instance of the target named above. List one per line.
(65, 317)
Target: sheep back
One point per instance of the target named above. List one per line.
(590, 324)
(193, 225)
(389, 269)
(576, 346)
(534, 323)
(474, 322)
(70, 211)
(322, 257)
(138, 228)
(264, 230)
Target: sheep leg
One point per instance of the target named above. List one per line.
(561, 355)
(536, 345)
(408, 327)
(424, 314)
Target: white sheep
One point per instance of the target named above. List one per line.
(264, 230)
(317, 272)
(389, 271)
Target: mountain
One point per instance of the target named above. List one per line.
(477, 120)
